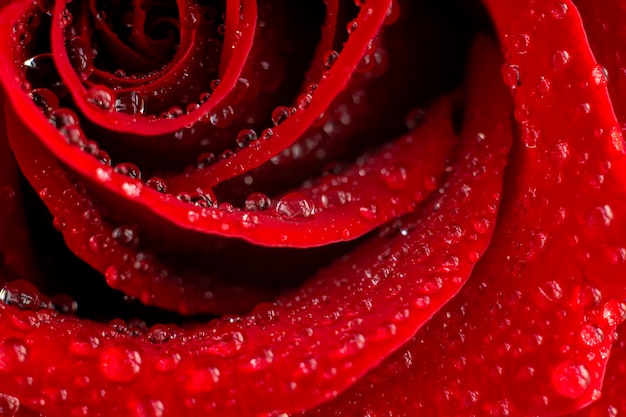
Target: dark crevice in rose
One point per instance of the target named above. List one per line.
(235, 261)
(67, 274)
(159, 25)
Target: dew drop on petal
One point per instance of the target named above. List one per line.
(202, 380)
(45, 99)
(226, 344)
(245, 137)
(280, 114)
(120, 364)
(395, 176)
(130, 102)
(222, 117)
(591, 335)
(13, 354)
(257, 202)
(330, 58)
(79, 53)
(559, 11)
(369, 212)
(600, 75)
(560, 59)
(9, 405)
(22, 294)
(571, 380)
(157, 184)
(510, 75)
(102, 97)
(295, 205)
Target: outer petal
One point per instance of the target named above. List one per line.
(307, 347)
(531, 332)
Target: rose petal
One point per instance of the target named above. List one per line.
(531, 332)
(307, 347)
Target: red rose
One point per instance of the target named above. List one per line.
(291, 208)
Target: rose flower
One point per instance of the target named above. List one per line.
(377, 208)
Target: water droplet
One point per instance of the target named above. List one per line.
(591, 335)
(120, 364)
(571, 380)
(79, 54)
(9, 405)
(559, 11)
(132, 189)
(521, 43)
(22, 294)
(260, 360)
(130, 102)
(510, 75)
(295, 205)
(13, 354)
(543, 86)
(223, 117)
(45, 99)
(125, 235)
(202, 380)
(330, 58)
(280, 114)
(41, 72)
(352, 26)
(449, 264)
(257, 202)
(530, 136)
(352, 343)
(114, 276)
(588, 296)
(205, 200)
(228, 343)
(63, 117)
(63, 303)
(600, 75)
(614, 312)
(159, 333)
(482, 225)
(83, 345)
(157, 184)
(246, 136)
(102, 97)
(414, 118)
(395, 176)
(369, 212)
(147, 408)
(429, 285)
(560, 59)
(304, 100)
(128, 169)
(600, 217)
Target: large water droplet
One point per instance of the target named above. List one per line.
(102, 97)
(295, 205)
(79, 53)
(22, 294)
(571, 380)
(591, 335)
(257, 202)
(120, 364)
